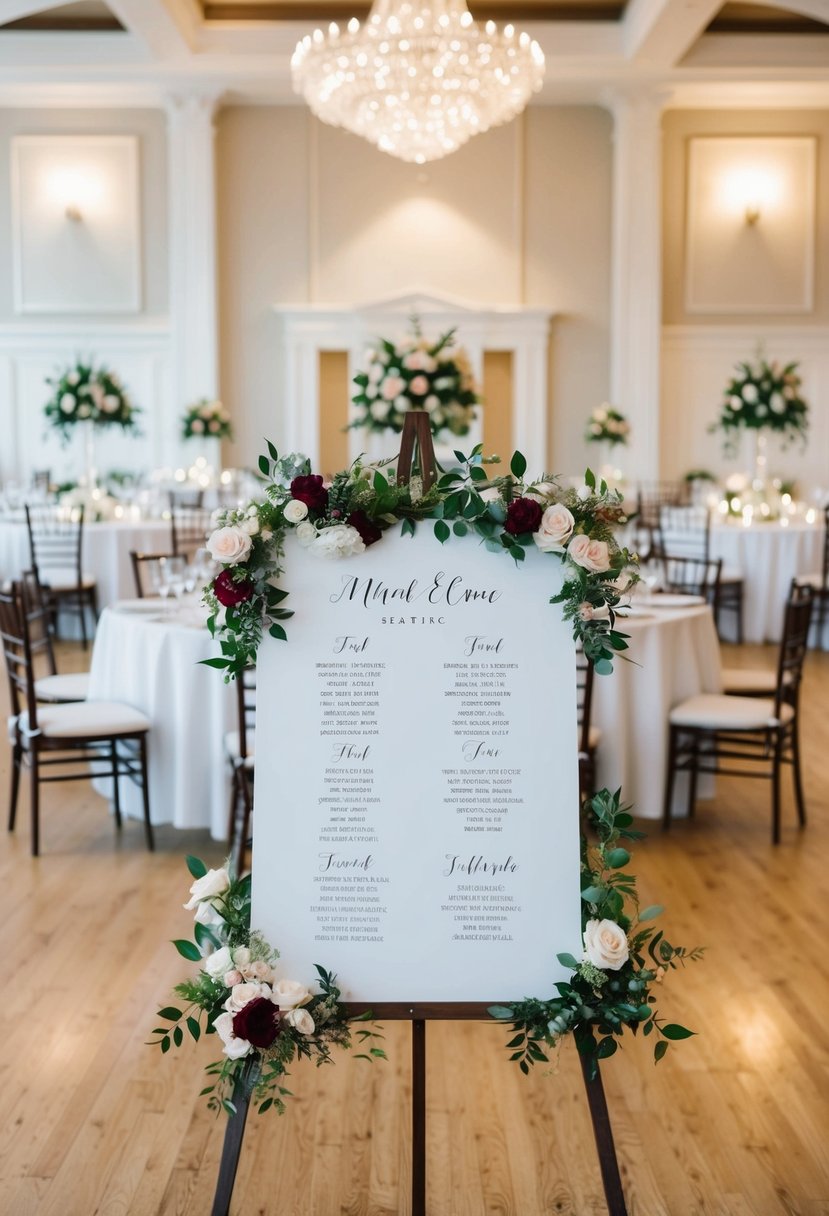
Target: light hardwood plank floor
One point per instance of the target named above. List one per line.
(735, 1122)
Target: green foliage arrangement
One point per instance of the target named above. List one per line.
(84, 393)
(763, 396)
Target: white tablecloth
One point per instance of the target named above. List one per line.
(150, 660)
(106, 552)
(678, 656)
(769, 557)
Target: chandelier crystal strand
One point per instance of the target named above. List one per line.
(417, 80)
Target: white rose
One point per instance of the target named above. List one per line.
(73, 378)
(111, 404)
(583, 493)
(432, 402)
(750, 393)
(555, 529)
(83, 411)
(379, 411)
(735, 404)
(340, 541)
(250, 525)
(592, 555)
(211, 884)
(206, 411)
(301, 1020)
(234, 1048)
(402, 403)
(243, 994)
(294, 511)
(259, 970)
(67, 403)
(206, 914)
(375, 372)
(213, 426)
(605, 944)
(228, 545)
(197, 426)
(777, 403)
(241, 956)
(306, 533)
(288, 994)
(218, 963)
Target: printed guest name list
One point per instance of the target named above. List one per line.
(416, 817)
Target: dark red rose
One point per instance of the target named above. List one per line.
(258, 1022)
(229, 592)
(523, 515)
(311, 491)
(368, 529)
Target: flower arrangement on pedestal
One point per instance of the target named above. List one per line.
(508, 513)
(265, 1021)
(206, 419)
(613, 987)
(607, 425)
(86, 394)
(762, 397)
(416, 375)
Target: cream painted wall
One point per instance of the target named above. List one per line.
(150, 127)
(699, 351)
(310, 213)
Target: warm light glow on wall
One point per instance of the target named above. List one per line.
(752, 191)
(76, 191)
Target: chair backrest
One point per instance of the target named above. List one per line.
(684, 532)
(14, 640)
(55, 542)
(794, 645)
(38, 619)
(825, 582)
(584, 698)
(189, 528)
(246, 708)
(42, 480)
(186, 497)
(147, 570)
(691, 575)
(651, 496)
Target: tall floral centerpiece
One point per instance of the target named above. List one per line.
(762, 397)
(90, 398)
(204, 425)
(416, 374)
(608, 429)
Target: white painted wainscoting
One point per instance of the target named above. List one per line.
(697, 360)
(139, 351)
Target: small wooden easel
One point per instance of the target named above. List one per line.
(417, 454)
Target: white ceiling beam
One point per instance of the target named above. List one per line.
(659, 32)
(818, 10)
(16, 10)
(169, 28)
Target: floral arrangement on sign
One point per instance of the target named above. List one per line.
(416, 375)
(607, 425)
(84, 393)
(206, 418)
(507, 513)
(264, 1022)
(613, 984)
(763, 396)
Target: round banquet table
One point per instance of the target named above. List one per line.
(675, 655)
(769, 556)
(106, 552)
(150, 658)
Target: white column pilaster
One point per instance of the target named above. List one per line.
(192, 243)
(636, 274)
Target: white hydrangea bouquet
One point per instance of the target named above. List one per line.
(763, 396)
(607, 425)
(84, 393)
(206, 418)
(264, 1020)
(416, 375)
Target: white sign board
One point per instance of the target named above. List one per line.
(416, 802)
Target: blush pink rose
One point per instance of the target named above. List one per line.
(392, 387)
(419, 385)
(592, 555)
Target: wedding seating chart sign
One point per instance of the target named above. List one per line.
(416, 800)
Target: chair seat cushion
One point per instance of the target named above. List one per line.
(87, 719)
(233, 749)
(74, 686)
(715, 711)
(752, 679)
(59, 580)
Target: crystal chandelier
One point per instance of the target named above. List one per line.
(417, 79)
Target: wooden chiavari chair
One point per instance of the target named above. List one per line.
(240, 746)
(189, 528)
(50, 686)
(589, 736)
(56, 551)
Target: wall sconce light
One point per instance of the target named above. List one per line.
(750, 190)
(73, 213)
(752, 214)
(76, 191)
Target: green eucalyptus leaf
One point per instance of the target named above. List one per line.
(518, 465)
(188, 950)
(196, 866)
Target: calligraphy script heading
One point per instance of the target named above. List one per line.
(443, 589)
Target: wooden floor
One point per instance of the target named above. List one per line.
(735, 1121)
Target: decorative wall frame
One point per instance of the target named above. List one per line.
(750, 224)
(76, 224)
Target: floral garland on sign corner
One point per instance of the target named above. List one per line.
(613, 986)
(206, 418)
(264, 1022)
(84, 393)
(763, 396)
(508, 513)
(416, 375)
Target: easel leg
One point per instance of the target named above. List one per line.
(418, 1118)
(603, 1135)
(231, 1151)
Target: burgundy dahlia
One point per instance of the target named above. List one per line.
(230, 592)
(523, 515)
(368, 529)
(311, 491)
(258, 1022)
